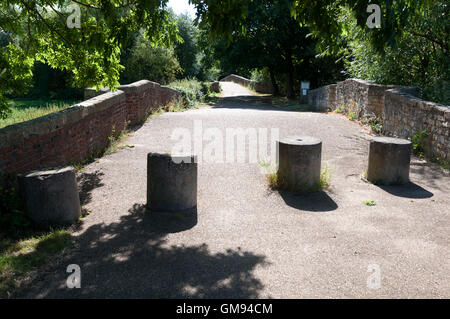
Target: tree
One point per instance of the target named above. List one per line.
(187, 50)
(272, 40)
(37, 31)
(420, 58)
(321, 17)
(144, 61)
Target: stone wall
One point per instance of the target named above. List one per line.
(403, 114)
(324, 98)
(73, 134)
(258, 87)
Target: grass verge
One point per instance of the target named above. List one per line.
(23, 110)
(17, 257)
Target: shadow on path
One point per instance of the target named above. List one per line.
(409, 190)
(131, 259)
(313, 202)
(263, 103)
(87, 182)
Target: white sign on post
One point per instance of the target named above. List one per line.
(305, 87)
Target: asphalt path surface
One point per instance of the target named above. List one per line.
(246, 241)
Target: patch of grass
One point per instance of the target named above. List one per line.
(418, 143)
(445, 164)
(325, 178)
(351, 116)
(24, 109)
(339, 109)
(376, 125)
(17, 257)
(192, 91)
(276, 183)
(115, 139)
(370, 203)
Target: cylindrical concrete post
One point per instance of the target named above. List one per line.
(389, 160)
(299, 163)
(51, 196)
(171, 182)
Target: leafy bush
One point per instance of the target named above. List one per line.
(351, 116)
(144, 61)
(260, 76)
(187, 50)
(418, 143)
(192, 91)
(375, 124)
(209, 74)
(419, 58)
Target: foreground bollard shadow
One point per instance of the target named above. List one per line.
(135, 258)
(166, 222)
(408, 190)
(312, 202)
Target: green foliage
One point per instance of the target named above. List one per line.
(275, 182)
(22, 110)
(270, 46)
(37, 31)
(192, 91)
(418, 143)
(260, 75)
(375, 123)
(370, 203)
(17, 257)
(340, 109)
(351, 116)
(146, 61)
(50, 83)
(420, 57)
(187, 50)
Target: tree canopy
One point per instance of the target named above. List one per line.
(284, 40)
(37, 30)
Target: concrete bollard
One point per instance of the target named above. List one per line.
(299, 163)
(51, 196)
(171, 182)
(389, 160)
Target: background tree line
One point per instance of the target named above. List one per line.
(281, 42)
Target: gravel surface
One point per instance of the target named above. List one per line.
(245, 241)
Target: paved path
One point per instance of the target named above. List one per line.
(247, 241)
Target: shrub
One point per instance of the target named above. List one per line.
(351, 116)
(340, 109)
(144, 61)
(375, 124)
(418, 143)
(192, 91)
(260, 76)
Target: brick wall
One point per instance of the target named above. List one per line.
(76, 132)
(258, 87)
(403, 114)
